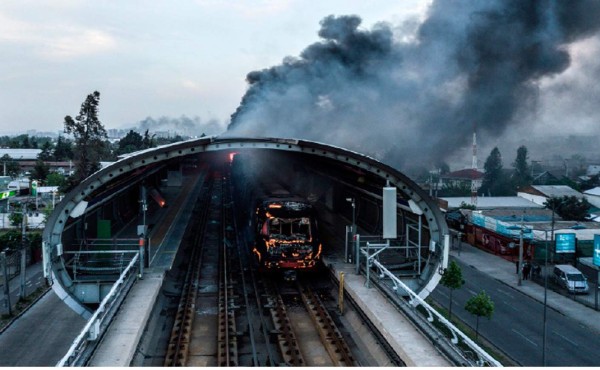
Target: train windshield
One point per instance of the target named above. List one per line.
(287, 228)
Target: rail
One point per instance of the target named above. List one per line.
(483, 358)
(83, 346)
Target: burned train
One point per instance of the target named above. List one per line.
(286, 235)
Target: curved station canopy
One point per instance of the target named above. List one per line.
(81, 227)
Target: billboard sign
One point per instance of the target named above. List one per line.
(7, 194)
(565, 242)
(596, 258)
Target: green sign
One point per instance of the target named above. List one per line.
(7, 193)
(34, 186)
(565, 243)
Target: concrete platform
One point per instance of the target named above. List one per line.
(118, 345)
(408, 342)
(120, 342)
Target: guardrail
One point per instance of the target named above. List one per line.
(483, 358)
(85, 343)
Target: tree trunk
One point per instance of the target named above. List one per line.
(450, 308)
(477, 328)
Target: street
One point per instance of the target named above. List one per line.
(516, 326)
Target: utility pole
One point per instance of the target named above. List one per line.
(521, 253)
(6, 283)
(22, 292)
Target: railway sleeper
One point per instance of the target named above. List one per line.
(283, 334)
(330, 336)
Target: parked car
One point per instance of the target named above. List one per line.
(571, 279)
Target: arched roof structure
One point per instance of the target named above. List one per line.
(75, 203)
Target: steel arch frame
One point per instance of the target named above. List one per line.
(54, 267)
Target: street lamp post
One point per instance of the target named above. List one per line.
(520, 274)
(545, 298)
(520, 269)
(353, 202)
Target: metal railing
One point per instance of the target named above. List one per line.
(483, 358)
(85, 343)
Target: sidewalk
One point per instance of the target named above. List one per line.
(34, 278)
(504, 271)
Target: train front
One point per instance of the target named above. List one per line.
(287, 236)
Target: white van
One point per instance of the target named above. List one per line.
(571, 279)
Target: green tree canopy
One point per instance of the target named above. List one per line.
(55, 179)
(480, 305)
(522, 170)
(40, 170)
(46, 153)
(494, 182)
(570, 208)
(10, 166)
(89, 135)
(63, 150)
(452, 279)
(130, 143)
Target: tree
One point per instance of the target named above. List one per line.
(522, 171)
(455, 190)
(55, 179)
(89, 135)
(494, 183)
(492, 170)
(480, 305)
(452, 279)
(11, 167)
(130, 143)
(148, 141)
(46, 153)
(63, 150)
(569, 208)
(40, 170)
(16, 219)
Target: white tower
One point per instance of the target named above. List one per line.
(474, 168)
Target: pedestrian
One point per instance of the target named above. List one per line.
(526, 270)
(537, 271)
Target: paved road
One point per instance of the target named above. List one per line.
(517, 324)
(33, 340)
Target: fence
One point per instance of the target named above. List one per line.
(86, 342)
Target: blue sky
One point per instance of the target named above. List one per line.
(159, 58)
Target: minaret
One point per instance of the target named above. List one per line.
(474, 168)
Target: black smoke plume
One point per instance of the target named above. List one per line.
(184, 125)
(405, 96)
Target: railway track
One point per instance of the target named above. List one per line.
(306, 334)
(230, 315)
(178, 347)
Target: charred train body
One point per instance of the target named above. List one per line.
(286, 235)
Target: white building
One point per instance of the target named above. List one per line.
(540, 193)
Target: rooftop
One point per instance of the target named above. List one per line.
(492, 202)
(555, 190)
(20, 154)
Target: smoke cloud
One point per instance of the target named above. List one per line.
(414, 92)
(185, 126)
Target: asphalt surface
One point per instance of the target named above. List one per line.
(517, 324)
(33, 340)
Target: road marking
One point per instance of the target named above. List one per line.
(505, 293)
(509, 305)
(524, 337)
(565, 338)
(444, 294)
(471, 291)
